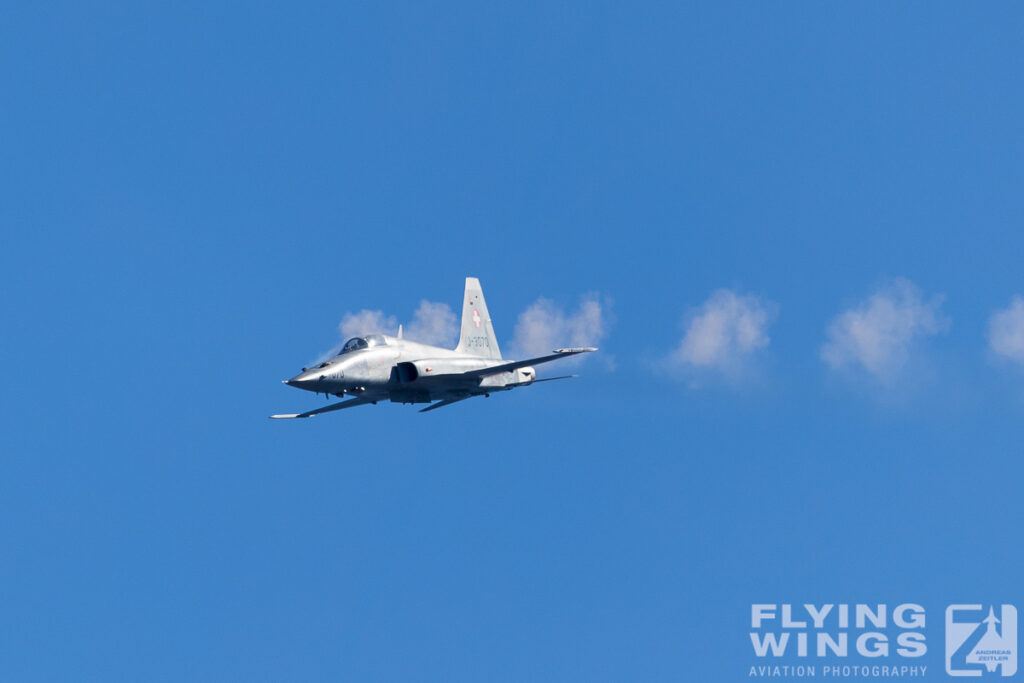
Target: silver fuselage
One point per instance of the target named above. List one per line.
(406, 371)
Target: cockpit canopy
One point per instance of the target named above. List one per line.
(359, 343)
(354, 344)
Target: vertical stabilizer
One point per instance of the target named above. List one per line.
(477, 336)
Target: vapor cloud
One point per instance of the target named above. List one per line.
(880, 333)
(367, 322)
(359, 324)
(1006, 331)
(724, 333)
(544, 326)
(433, 323)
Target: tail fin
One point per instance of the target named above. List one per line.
(477, 332)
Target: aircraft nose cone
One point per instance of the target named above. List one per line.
(305, 380)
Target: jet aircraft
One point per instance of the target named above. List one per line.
(378, 367)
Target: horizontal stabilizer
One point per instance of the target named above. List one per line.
(445, 402)
(534, 381)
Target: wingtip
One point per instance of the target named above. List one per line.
(287, 416)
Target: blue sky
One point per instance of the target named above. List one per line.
(196, 195)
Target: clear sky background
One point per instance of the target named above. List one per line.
(195, 194)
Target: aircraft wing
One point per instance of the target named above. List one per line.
(515, 365)
(351, 403)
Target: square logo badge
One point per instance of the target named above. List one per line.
(981, 640)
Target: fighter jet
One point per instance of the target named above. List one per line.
(379, 367)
